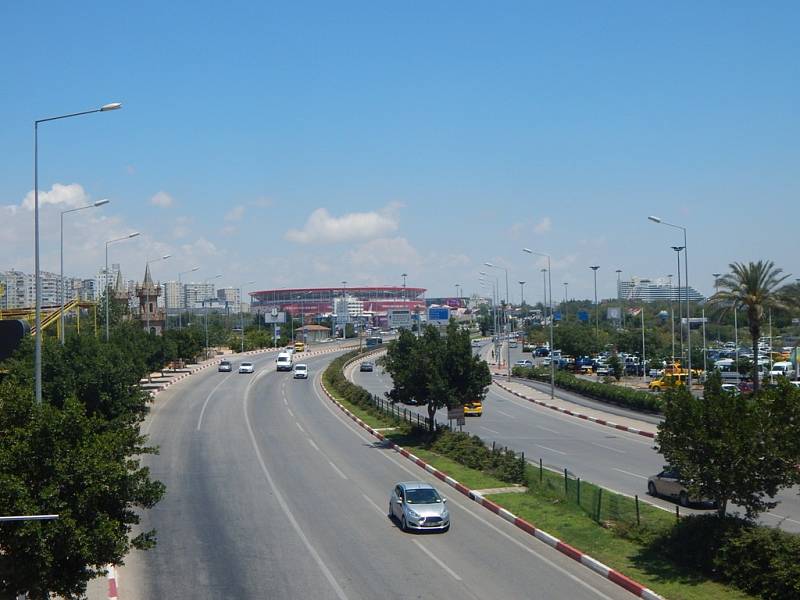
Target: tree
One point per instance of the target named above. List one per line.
(752, 286)
(77, 454)
(616, 366)
(436, 370)
(733, 447)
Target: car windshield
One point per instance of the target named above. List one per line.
(423, 496)
(247, 364)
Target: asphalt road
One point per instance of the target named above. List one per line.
(613, 459)
(273, 493)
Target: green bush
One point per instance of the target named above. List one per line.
(469, 450)
(759, 560)
(603, 392)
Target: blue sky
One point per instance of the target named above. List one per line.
(306, 145)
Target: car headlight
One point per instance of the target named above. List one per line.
(412, 513)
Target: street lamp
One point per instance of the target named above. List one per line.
(521, 293)
(205, 291)
(63, 212)
(596, 306)
(241, 308)
(552, 346)
(566, 285)
(37, 369)
(686, 283)
(495, 285)
(183, 295)
(619, 297)
(506, 328)
(678, 250)
(147, 264)
(108, 293)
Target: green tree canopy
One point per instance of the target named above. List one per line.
(436, 370)
(733, 447)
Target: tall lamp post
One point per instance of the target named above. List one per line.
(108, 291)
(678, 250)
(37, 369)
(521, 293)
(183, 295)
(686, 284)
(505, 321)
(596, 306)
(241, 309)
(148, 263)
(716, 277)
(552, 346)
(205, 291)
(619, 297)
(566, 285)
(64, 212)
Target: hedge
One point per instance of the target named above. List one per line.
(604, 392)
(466, 449)
(760, 560)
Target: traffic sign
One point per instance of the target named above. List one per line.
(438, 314)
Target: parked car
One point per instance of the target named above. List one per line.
(367, 366)
(417, 505)
(524, 363)
(731, 388)
(667, 483)
(225, 366)
(246, 367)
(300, 371)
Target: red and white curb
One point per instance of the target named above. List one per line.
(112, 583)
(572, 413)
(575, 554)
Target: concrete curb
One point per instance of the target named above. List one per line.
(572, 413)
(575, 554)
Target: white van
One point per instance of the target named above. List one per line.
(781, 369)
(284, 362)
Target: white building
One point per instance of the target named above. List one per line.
(196, 293)
(231, 296)
(19, 289)
(174, 295)
(649, 290)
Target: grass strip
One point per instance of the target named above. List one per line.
(552, 505)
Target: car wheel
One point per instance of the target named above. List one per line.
(403, 524)
(683, 499)
(651, 488)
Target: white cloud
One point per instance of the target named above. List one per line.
(543, 226)
(384, 251)
(162, 199)
(228, 230)
(181, 229)
(235, 214)
(68, 196)
(321, 227)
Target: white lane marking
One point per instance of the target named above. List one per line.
(300, 427)
(287, 511)
(482, 518)
(437, 560)
(568, 419)
(608, 448)
(629, 473)
(313, 444)
(202, 412)
(505, 414)
(551, 449)
(290, 412)
(285, 402)
(372, 502)
(548, 429)
(335, 468)
(490, 430)
(776, 516)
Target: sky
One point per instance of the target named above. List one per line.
(306, 144)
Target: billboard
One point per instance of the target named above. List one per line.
(583, 316)
(274, 316)
(438, 314)
(614, 313)
(399, 318)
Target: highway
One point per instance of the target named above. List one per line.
(616, 460)
(273, 493)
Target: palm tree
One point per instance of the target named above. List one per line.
(754, 287)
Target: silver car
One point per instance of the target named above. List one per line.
(668, 484)
(418, 506)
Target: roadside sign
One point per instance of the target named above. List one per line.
(399, 318)
(583, 316)
(455, 413)
(275, 317)
(438, 314)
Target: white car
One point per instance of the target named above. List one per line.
(246, 367)
(300, 371)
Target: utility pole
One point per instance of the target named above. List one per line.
(596, 306)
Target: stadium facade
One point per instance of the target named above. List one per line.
(658, 290)
(311, 303)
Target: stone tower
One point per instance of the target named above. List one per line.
(150, 314)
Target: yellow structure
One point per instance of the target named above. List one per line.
(52, 314)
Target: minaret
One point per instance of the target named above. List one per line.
(151, 316)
